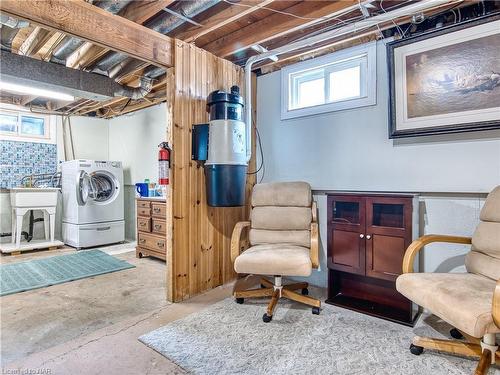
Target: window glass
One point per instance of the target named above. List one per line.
(345, 84)
(8, 123)
(311, 93)
(342, 80)
(32, 126)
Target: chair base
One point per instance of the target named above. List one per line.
(470, 347)
(275, 291)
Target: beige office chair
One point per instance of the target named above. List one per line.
(468, 301)
(284, 242)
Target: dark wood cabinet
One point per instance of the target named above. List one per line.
(367, 237)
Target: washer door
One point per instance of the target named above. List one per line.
(105, 187)
(84, 189)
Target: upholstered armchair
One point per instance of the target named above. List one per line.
(470, 301)
(283, 238)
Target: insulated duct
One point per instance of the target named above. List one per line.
(9, 28)
(308, 42)
(163, 23)
(70, 43)
(28, 71)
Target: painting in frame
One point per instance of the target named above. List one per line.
(446, 81)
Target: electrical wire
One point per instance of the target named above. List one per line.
(262, 162)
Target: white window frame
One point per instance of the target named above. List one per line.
(49, 131)
(333, 62)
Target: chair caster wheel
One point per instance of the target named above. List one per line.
(240, 300)
(267, 318)
(140, 255)
(315, 310)
(304, 291)
(455, 333)
(262, 286)
(416, 350)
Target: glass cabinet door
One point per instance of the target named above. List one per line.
(346, 217)
(388, 234)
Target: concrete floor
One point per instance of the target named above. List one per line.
(91, 326)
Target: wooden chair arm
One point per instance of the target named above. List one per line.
(496, 304)
(236, 238)
(418, 244)
(314, 245)
(314, 209)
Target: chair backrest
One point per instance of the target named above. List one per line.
(281, 214)
(484, 257)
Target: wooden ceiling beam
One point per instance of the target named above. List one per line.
(138, 12)
(276, 25)
(143, 10)
(95, 25)
(227, 16)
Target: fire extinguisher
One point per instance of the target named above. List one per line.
(163, 163)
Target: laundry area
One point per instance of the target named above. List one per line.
(249, 187)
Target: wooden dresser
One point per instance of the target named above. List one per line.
(367, 238)
(151, 227)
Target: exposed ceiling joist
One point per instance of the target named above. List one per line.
(227, 16)
(113, 32)
(276, 25)
(141, 11)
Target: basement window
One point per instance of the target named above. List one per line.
(341, 80)
(23, 125)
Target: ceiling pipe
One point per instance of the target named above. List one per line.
(70, 44)
(343, 30)
(163, 23)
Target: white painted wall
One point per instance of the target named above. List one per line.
(350, 150)
(90, 138)
(134, 140)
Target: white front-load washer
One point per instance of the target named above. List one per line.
(93, 207)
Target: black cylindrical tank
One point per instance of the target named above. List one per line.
(222, 105)
(226, 165)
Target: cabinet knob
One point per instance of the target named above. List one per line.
(361, 235)
(368, 236)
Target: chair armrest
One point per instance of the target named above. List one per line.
(496, 305)
(314, 245)
(236, 238)
(418, 244)
(314, 209)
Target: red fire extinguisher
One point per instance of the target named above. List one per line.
(163, 163)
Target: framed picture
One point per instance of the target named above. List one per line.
(446, 81)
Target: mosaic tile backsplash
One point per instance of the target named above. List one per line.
(18, 159)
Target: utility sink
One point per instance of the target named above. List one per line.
(33, 197)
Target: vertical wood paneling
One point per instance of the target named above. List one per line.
(200, 248)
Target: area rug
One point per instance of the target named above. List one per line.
(39, 273)
(228, 338)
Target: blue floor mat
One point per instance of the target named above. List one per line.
(39, 273)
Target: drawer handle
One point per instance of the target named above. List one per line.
(158, 226)
(156, 209)
(142, 223)
(160, 244)
(368, 236)
(142, 241)
(361, 236)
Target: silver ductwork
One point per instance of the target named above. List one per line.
(140, 92)
(70, 44)
(28, 71)
(10, 26)
(163, 23)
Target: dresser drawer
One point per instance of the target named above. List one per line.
(143, 212)
(143, 204)
(159, 210)
(153, 242)
(159, 226)
(144, 224)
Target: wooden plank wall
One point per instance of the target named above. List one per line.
(200, 248)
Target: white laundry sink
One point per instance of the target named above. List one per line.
(33, 197)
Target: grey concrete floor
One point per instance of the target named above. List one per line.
(91, 326)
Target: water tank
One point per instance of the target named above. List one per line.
(226, 166)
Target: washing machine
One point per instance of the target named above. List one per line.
(93, 207)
